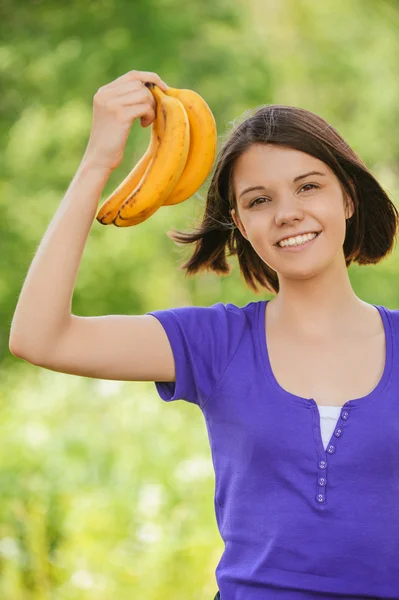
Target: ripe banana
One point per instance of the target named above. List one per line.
(110, 207)
(166, 166)
(203, 139)
(145, 213)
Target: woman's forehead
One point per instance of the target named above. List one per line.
(269, 166)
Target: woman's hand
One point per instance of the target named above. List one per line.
(115, 108)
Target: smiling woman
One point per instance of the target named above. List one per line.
(308, 218)
(273, 151)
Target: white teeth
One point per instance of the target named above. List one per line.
(298, 240)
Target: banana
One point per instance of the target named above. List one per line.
(166, 166)
(109, 209)
(203, 139)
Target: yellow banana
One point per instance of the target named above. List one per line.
(166, 166)
(145, 213)
(110, 207)
(203, 139)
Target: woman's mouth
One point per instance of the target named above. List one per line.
(300, 246)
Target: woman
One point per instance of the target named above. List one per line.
(303, 513)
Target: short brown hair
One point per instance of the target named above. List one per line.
(370, 232)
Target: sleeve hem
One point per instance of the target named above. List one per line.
(164, 387)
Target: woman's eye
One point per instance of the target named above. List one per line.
(254, 202)
(310, 184)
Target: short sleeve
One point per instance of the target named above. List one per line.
(203, 340)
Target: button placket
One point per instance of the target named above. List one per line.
(321, 486)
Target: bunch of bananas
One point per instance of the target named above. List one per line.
(177, 161)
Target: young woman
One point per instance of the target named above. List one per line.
(300, 393)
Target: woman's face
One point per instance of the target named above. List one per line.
(284, 207)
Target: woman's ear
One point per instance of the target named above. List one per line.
(350, 208)
(238, 223)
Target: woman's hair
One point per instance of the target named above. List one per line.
(370, 233)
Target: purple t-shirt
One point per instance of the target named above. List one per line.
(297, 521)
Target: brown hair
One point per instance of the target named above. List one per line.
(370, 232)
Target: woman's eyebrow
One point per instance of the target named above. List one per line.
(298, 178)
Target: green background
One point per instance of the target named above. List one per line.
(106, 490)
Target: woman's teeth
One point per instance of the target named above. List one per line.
(297, 241)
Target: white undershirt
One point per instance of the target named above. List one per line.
(328, 420)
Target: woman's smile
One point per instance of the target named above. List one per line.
(298, 247)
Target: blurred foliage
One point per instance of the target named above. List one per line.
(107, 492)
